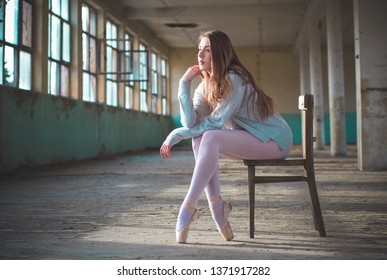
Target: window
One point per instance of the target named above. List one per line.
(127, 67)
(111, 64)
(155, 82)
(164, 88)
(143, 65)
(16, 43)
(59, 47)
(89, 53)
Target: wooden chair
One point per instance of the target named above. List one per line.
(306, 105)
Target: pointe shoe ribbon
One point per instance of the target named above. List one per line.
(182, 234)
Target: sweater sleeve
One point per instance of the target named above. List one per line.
(216, 120)
(191, 111)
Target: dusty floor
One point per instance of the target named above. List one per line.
(125, 207)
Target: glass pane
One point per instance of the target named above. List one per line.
(11, 21)
(66, 42)
(54, 37)
(164, 87)
(86, 87)
(85, 53)
(154, 62)
(9, 66)
(108, 33)
(154, 104)
(128, 46)
(114, 63)
(108, 92)
(27, 24)
(93, 55)
(53, 78)
(114, 36)
(1, 63)
(127, 98)
(163, 68)
(155, 83)
(93, 22)
(2, 20)
(65, 9)
(109, 62)
(25, 71)
(85, 18)
(111, 93)
(64, 85)
(93, 89)
(143, 104)
(115, 94)
(55, 6)
(164, 106)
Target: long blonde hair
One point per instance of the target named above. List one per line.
(224, 60)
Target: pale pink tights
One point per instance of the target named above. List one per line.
(234, 144)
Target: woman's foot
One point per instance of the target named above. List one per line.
(220, 211)
(225, 229)
(182, 228)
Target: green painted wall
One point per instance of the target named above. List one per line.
(294, 121)
(39, 129)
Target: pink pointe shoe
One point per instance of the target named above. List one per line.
(225, 229)
(182, 235)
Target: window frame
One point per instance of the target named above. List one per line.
(90, 54)
(59, 62)
(16, 44)
(112, 67)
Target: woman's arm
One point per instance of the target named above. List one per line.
(217, 119)
(191, 111)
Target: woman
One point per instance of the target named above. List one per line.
(229, 115)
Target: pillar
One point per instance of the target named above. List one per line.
(336, 78)
(315, 68)
(370, 23)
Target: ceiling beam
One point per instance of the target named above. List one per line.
(226, 11)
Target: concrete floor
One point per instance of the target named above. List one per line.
(125, 207)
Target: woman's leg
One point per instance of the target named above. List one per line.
(213, 187)
(190, 203)
(238, 144)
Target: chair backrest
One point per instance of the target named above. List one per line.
(306, 105)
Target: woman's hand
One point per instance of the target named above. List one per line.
(165, 151)
(191, 73)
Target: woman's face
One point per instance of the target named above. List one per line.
(204, 55)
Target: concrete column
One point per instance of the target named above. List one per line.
(304, 64)
(316, 87)
(336, 78)
(370, 23)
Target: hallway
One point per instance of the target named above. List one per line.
(125, 207)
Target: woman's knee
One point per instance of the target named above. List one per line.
(211, 135)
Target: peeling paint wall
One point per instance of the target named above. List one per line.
(40, 129)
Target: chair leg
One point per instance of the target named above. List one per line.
(316, 209)
(251, 177)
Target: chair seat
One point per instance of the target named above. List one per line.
(274, 162)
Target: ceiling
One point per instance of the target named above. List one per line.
(264, 23)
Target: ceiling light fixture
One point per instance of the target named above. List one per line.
(181, 25)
